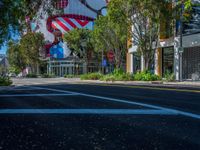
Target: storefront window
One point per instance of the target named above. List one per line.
(168, 60)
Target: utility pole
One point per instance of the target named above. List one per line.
(181, 49)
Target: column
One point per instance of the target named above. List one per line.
(176, 59)
(158, 62)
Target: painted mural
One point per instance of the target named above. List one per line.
(77, 14)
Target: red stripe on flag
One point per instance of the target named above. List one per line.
(53, 26)
(70, 22)
(62, 25)
(82, 23)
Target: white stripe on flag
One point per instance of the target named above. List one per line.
(59, 27)
(65, 23)
(76, 23)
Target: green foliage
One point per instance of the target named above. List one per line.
(117, 75)
(14, 12)
(26, 52)
(48, 75)
(121, 77)
(118, 72)
(31, 75)
(91, 76)
(109, 77)
(79, 41)
(169, 76)
(146, 76)
(71, 76)
(32, 44)
(111, 31)
(16, 56)
(15, 70)
(5, 81)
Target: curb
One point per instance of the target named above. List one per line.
(148, 83)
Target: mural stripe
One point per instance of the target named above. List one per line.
(59, 27)
(65, 23)
(70, 22)
(82, 23)
(62, 25)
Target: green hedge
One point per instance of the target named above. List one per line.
(91, 76)
(146, 76)
(5, 81)
(119, 75)
(71, 76)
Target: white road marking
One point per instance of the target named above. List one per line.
(178, 112)
(37, 95)
(87, 111)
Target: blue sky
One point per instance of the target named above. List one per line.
(3, 49)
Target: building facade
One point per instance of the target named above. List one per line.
(184, 62)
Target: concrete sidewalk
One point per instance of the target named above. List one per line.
(45, 81)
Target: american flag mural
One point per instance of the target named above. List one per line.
(77, 14)
(65, 24)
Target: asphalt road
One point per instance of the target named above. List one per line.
(99, 117)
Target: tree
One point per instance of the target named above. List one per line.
(32, 44)
(148, 17)
(79, 41)
(145, 17)
(27, 52)
(14, 14)
(111, 31)
(16, 57)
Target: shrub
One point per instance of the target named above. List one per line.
(91, 76)
(48, 75)
(71, 76)
(118, 72)
(169, 76)
(145, 76)
(31, 76)
(118, 75)
(108, 77)
(5, 81)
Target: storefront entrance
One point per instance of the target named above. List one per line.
(167, 60)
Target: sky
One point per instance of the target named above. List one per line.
(3, 49)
